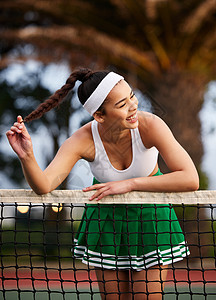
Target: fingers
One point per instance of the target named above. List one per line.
(17, 127)
(109, 188)
(100, 194)
(9, 132)
(14, 129)
(102, 191)
(93, 187)
(20, 119)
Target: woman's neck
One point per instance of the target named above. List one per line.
(113, 134)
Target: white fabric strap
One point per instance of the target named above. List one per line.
(101, 92)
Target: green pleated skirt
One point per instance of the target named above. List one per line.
(129, 236)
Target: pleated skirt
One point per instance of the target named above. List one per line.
(129, 236)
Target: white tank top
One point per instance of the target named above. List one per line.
(143, 160)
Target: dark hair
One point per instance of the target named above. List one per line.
(90, 80)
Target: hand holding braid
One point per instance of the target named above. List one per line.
(55, 99)
(18, 135)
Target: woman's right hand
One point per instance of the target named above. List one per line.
(20, 139)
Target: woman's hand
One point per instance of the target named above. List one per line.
(20, 139)
(109, 188)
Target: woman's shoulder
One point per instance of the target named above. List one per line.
(150, 127)
(149, 121)
(83, 132)
(146, 121)
(81, 141)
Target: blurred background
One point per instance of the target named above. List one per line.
(164, 48)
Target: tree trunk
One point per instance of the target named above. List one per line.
(181, 95)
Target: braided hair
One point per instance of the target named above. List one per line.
(90, 80)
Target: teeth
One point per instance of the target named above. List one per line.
(133, 117)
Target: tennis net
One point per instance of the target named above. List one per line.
(62, 246)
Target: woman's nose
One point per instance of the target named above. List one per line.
(133, 105)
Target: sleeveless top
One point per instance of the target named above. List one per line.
(143, 160)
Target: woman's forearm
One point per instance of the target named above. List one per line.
(177, 181)
(35, 177)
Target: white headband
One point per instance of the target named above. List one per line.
(101, 92)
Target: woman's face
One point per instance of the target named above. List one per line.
(121, 107)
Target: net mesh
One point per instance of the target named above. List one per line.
(72, 250)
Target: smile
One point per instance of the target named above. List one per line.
(132, 118)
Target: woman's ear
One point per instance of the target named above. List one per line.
(98, 116)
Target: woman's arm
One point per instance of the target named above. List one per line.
(43, 182)
(182, 177)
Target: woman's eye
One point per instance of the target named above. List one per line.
(122, 105)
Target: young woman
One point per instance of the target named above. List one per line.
(130, 246)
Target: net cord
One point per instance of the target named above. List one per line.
(78, 196)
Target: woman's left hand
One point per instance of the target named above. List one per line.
(109, 188)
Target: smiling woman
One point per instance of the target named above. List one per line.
(121, 146)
